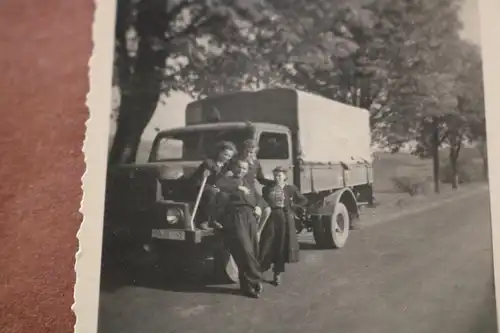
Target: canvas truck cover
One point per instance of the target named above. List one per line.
(330, 131)
(327, 131)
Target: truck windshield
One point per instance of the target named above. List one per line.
(196, 145)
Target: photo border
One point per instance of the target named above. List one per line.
(489, 12)
(95, 148)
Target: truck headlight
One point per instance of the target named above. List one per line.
(173, 215)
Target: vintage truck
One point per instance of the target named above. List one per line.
(325, 145)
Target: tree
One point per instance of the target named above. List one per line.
(353, 72)
(401, 70)
(291, 42)
(203, 48)
(463, 118)
(380, 48)
(156, 41)
(468, 124)
(431, 103)
(422, 93)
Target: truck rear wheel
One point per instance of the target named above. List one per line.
(333, 231)
(225, 269)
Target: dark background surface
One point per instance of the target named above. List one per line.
(44, 52)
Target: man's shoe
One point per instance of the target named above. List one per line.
(249, 291)
(252, 294)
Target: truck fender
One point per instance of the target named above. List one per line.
(344, 195)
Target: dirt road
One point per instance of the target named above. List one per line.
(426, 272)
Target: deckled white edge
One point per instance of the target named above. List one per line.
(489, 12)
(88, 257)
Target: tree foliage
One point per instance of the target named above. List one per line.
(403, 60)
(156, 43)
(458, 115)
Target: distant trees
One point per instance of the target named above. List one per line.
(458, 116)
(403, 60)
(406, 63)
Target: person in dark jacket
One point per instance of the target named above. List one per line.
(243, 208)
(249, 154)
(214, 169)
(278, 239)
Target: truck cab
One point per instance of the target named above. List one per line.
(157, 198)
(176, 153)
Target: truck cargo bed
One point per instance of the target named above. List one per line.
(327, 131)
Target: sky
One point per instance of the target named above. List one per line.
(171, 114)
(470, 18)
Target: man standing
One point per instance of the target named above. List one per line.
(241, 213)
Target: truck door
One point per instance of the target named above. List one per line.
(274, 150)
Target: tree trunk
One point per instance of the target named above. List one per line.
(137, 103)
(454, 167)
(435, 154)
(455, 145)
(140, 78)
(454, 173)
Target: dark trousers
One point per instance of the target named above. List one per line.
(240, 231)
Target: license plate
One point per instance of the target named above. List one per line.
(168, 234)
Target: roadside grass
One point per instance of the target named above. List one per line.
(402, 179)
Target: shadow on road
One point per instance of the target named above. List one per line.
(189, 276)
(307, 246)
(182, 283)
(121, 268)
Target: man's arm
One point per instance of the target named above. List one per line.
(298, 198)
(260, 175)
(227, 184)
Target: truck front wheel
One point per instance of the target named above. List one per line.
(333, 231)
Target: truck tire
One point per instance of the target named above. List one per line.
(333, 231)
(225, 269)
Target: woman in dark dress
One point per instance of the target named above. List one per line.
(278, 240)
(241, 214)
(214, 169)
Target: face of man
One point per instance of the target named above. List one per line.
(251, 154)
(240, 169)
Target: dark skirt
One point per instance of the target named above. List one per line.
(278, 241)
(240, 237)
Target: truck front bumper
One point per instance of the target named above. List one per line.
(182, 236)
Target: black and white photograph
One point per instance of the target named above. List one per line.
(295, 166)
